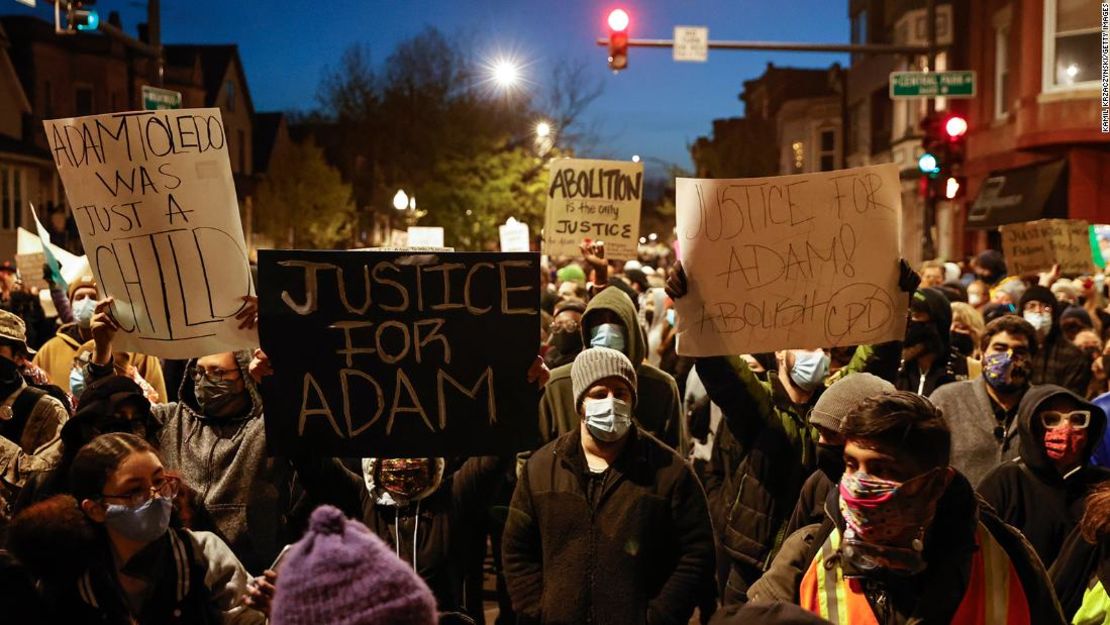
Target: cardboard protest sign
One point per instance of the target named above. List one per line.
(155, 204)
(380, 354)
(424, 236)
(1036, 246)
(792, 262)
(590, 199)
(30, 269)
(514, 236)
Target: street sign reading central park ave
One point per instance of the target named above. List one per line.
(956, 84)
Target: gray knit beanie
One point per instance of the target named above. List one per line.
(844, 396)
(597, 363)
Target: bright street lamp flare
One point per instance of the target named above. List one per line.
(506, 73)
(543, 130)
(401, 200)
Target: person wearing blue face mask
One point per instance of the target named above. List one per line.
(606, 523)
(108, 553)
(610, 321)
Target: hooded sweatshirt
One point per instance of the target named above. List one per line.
(1057, 361)
(1029, 493)
(242, 494)
(658, 408)
(438, 531)
(910, 377)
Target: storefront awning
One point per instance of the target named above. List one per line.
(1028, 193)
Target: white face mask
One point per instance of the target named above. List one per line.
(608, 419)
(1041, 322)
(974, 299)
(83, 312)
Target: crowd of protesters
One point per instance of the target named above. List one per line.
(959, 475)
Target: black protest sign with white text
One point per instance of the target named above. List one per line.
(399, 354)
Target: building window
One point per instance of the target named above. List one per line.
(1002, 71)
(1071, 44)
(229, 91)
(855, 128)
(828, 149)
(798, 149)
(859, 29)
(11, 197)
(82, 101)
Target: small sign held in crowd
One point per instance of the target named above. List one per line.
(389, 354)
(1035, 246)
(789, 262)
(154, 200)
(424, 236)
(514, 236)
(590, 199)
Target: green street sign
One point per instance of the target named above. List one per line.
(956, 84)
(155, 99)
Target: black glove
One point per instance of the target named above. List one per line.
(676, 287)
(908, 280)
(47, 275)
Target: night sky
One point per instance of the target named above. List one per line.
(655, 108)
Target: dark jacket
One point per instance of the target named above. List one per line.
(932, 596)
(1057, 361)
(639, 551)
(933, 302)
(1029, 493)
(194, 579)
(1074, 570)
(659, 408)
(759, 463)
(810, 508)
(432, 531)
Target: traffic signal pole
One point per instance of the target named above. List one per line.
(781, 46)
(929, 214)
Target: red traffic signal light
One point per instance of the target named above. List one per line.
(618, 20)
(618, 39)
(955, 127)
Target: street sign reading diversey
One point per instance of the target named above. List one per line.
(691, 43)
(955, 84)
(155, 99)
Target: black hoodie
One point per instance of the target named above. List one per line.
(933, 302)
(1057, 361)
(1029, 493)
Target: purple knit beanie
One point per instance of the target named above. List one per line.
(340, 573)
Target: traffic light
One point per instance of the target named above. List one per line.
(618, 39)
(943, 151)
(80, 18)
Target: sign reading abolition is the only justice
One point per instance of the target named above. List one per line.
(399, 354)
(154, 201)
(598, 200)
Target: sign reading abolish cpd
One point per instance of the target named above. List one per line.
(399, 354)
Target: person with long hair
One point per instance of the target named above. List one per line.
(1081, 573)
(107, 553)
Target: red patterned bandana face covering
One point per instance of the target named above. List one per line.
(406, 477)
(1065, 446)
(886, 520)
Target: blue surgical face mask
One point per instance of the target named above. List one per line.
(143, 524)
(1041, 321)
(607, 419)
(83, 312)
(76, 382)
(810, 369)
(609, 335)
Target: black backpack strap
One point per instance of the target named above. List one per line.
(22, 407)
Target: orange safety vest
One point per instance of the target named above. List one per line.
(994, 594)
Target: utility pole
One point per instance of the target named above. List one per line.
(929, 214)
(154, 28)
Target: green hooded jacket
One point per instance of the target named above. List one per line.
(658, 404)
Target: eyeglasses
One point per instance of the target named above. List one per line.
(215, 374)
(168, 488)
(1078, 419)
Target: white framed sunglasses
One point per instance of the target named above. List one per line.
(1077, 419)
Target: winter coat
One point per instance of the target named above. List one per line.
(1057, 361)
(1079, 565)
(969, 411)
(810, 508)
(640, 553)
(910, 377)
(438, 532)
(759, 463)
(56, 357)
(1029, 493)
(195, 580)
(658, 405)
(243, 494)
(932, 596)
(38, 450)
